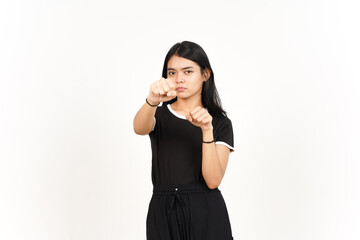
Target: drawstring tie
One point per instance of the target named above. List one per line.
(175, 204)
(176, 199)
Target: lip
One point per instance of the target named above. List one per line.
(180, 89)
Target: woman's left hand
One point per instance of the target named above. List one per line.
(200, 117)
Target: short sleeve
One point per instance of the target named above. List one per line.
(157, 120)
(224, 134)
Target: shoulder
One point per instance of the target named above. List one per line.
(161, 111)
(159, 115)
(223, 131)
(160, 107)
(221, 121)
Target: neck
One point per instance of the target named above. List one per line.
(187, 104)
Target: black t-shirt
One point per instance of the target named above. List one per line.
(177, 146)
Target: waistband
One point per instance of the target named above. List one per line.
(183, 188)
(175, 204)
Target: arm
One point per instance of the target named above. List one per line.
(214, 157)
(160, 91)
(214, 160)
(144, 119)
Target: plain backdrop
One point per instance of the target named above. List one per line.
(74, 73)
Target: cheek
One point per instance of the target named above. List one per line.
(196, 80)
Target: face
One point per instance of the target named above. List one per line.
(186, 75)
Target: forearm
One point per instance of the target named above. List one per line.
(211, 167)
(144, 119)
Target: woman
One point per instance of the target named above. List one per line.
(191, 139)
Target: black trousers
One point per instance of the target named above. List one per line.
(187, 212)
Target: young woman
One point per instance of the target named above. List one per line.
(191, 139)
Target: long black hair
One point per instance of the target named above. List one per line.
(194, 52)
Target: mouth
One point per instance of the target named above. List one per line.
(180, 89)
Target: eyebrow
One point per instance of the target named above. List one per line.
(181, 69)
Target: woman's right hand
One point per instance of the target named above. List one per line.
(161, 90)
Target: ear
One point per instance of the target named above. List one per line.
(207, 73)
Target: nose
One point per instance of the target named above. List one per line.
(179, 79)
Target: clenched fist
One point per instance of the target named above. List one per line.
(200, 117)
(162, 90)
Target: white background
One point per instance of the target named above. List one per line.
(74, 73)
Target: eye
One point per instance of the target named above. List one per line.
(170, 73)
(189, 71)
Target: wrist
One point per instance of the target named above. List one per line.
(208, 135)
(150, 102)
(208, 131)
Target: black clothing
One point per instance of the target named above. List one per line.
(187, 212)
(182, 206)
(177, 146)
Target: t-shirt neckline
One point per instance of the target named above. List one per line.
(175, 113)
